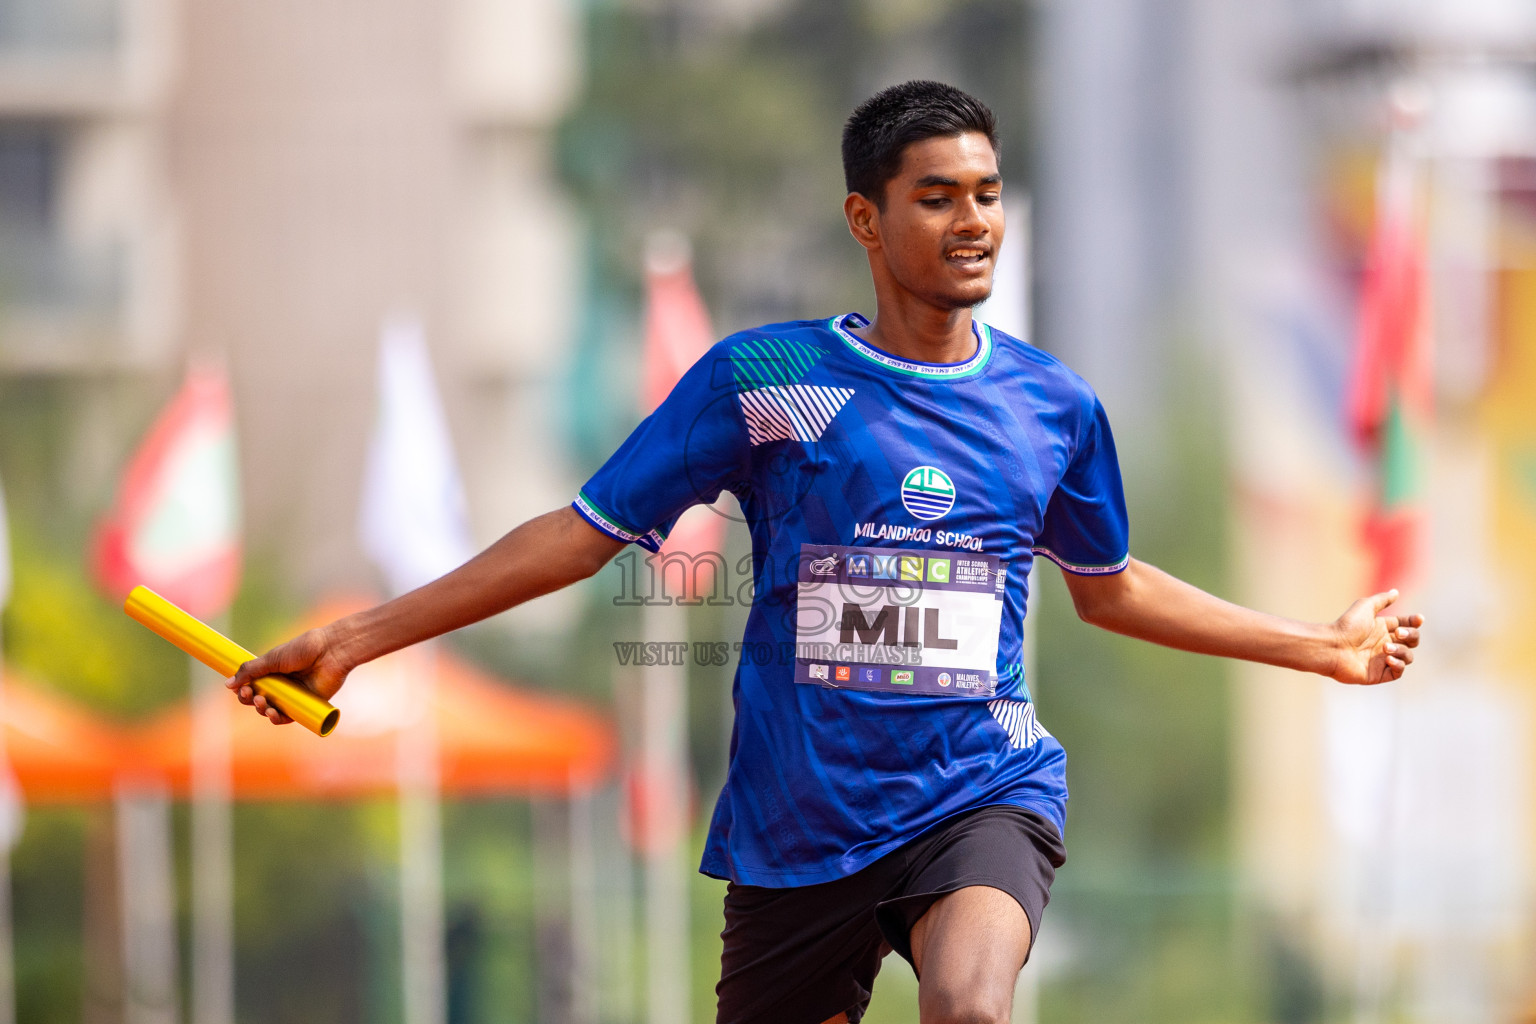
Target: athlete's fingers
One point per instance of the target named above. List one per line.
(1400, 652)
(246, 694)
(297, 655)
(266, 708)
(253, 669)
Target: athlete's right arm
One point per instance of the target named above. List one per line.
(541, 556)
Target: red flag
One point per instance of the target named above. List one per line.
(658, 786)
(677, 334)
(1391, 388)
(175, 524)
(677, 330)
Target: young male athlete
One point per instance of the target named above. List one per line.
(889, 783)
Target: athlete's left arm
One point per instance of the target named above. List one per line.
(1364, 645)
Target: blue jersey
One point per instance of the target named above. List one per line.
(895, 508)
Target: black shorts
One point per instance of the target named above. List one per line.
(801, 955)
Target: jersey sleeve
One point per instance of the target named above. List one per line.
(1086, 530)
(685, 453)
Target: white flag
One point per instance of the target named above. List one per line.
(412, 521)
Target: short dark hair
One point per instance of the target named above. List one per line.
(883, 126)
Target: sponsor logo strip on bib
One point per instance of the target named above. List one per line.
(915, 622)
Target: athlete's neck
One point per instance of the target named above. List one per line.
(925, 334)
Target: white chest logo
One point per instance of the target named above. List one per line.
(927, 492)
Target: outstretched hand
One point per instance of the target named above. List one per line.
(311, 659)
(1374, 647)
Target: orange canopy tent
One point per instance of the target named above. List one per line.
(60, 752)
(491, 737)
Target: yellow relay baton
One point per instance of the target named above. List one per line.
(225, 657)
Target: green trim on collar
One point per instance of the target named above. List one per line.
(921, 371)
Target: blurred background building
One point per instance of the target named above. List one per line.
(269, 184)
(1210, 188)
(89, 223)
(266, 185)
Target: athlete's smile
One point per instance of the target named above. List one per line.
(970, 257)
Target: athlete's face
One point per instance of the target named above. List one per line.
(938, 235)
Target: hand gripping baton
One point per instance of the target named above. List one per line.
(225, 657)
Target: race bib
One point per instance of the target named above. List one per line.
(904, 621)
